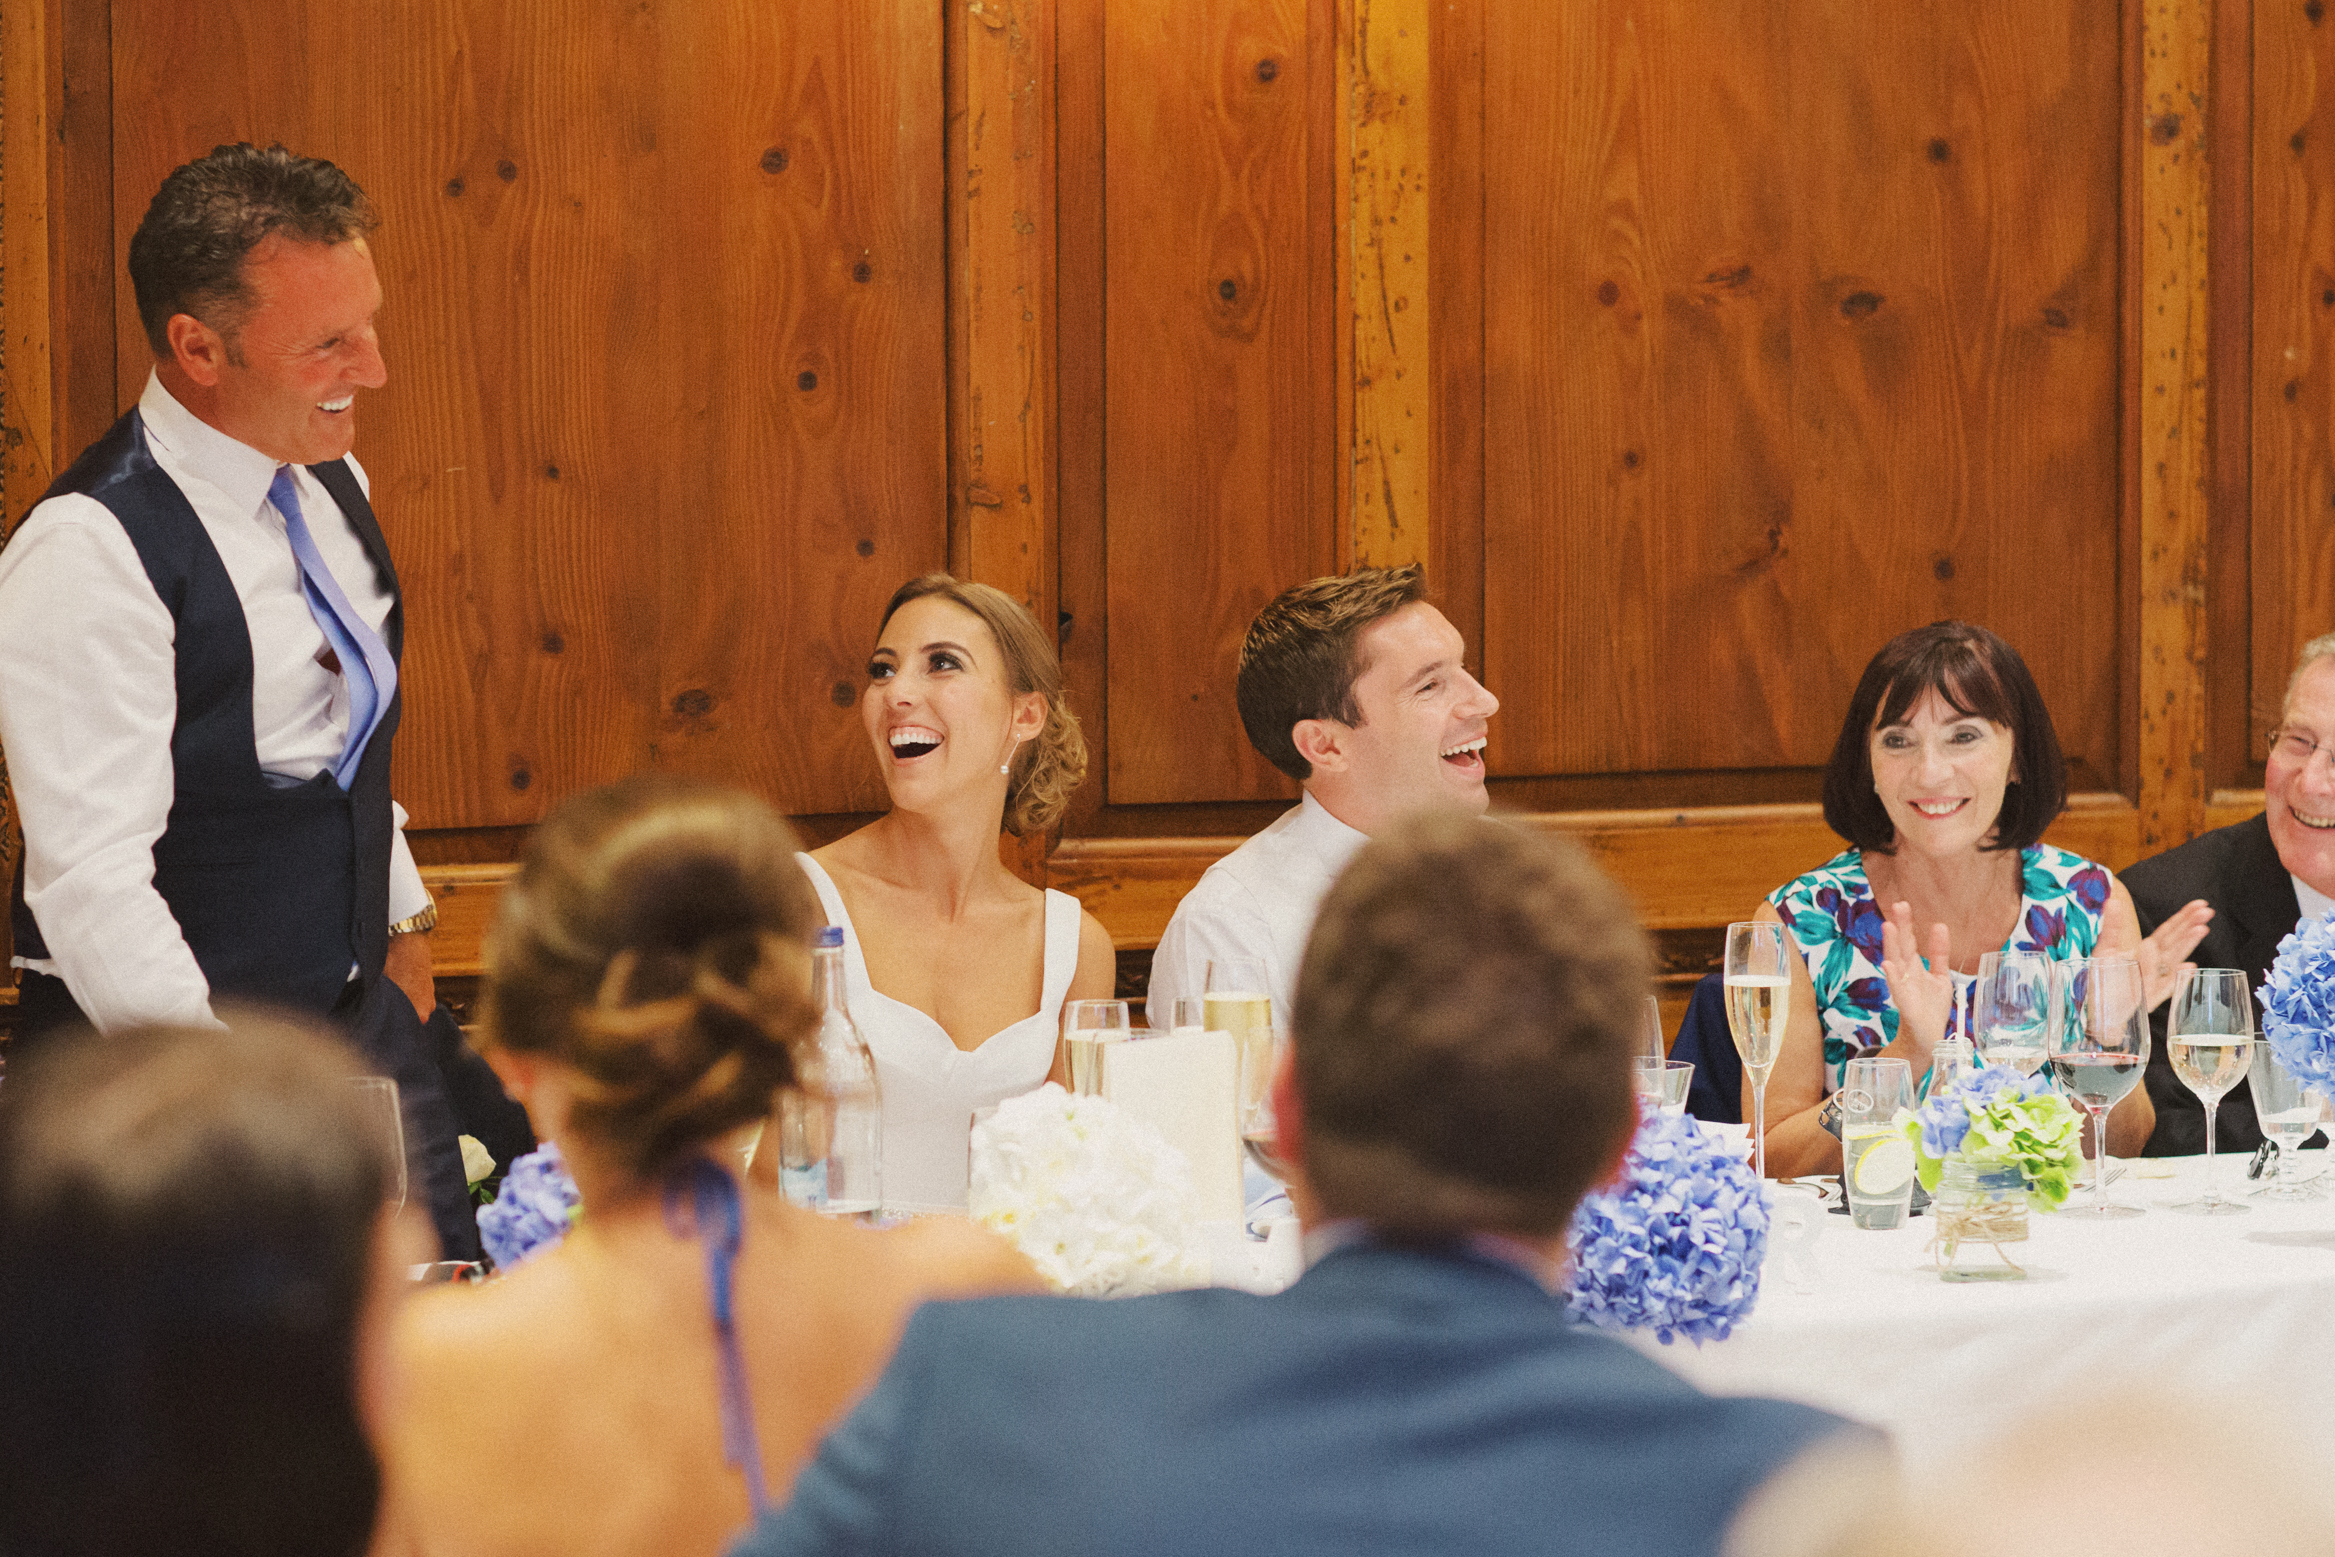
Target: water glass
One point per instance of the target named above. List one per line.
(1876, 1159)
(2099, 1051)
(2011, 1009)
(1653, 1043)
(2210, 1037)
(1088, 1027)
(1663, 1083)
(377, 1097)
(2288, 1112)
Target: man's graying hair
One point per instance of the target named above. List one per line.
(187, 255)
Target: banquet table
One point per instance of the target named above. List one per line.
(2239, 1310)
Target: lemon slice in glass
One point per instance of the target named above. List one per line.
(1885, 1166)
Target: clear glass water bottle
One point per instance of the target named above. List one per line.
(832, 1146)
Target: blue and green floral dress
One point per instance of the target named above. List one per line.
(1831, 914)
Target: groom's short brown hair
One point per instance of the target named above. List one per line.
(1299, 660)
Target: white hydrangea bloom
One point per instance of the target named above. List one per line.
(1094, 1197)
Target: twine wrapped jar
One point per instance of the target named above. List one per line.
(1978, 1211)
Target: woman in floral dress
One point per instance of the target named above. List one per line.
(1946, 773)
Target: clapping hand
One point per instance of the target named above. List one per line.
(2163, 956)
(1924, 994)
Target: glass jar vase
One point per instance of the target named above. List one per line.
(1979, 1210)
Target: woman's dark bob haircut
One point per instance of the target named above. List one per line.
(1979, 676)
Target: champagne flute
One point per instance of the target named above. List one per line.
(1759, 996)
(1237, 1001)
(2011, 1010)
(2288, 1112)
(2211, 1040)
(2098, 1054)
(377, 1097)
(1087, 1026)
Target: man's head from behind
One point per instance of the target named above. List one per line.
(257, 293)
(191, 1243)
(1462, 1034)
(1354, 687)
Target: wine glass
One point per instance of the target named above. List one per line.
(2098, 1053)
(2211, 1039)
(2288, 1112)
(1087, 1026)
(377, 1098)
(1759, 995)
(1653, 1044)
(1664, 1084)
(1260, 1134)
(2011, 1010)
(1238, 1002)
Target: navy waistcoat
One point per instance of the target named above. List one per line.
(278, 889)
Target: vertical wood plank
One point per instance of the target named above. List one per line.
(1800, 330)
(2293, 350)
(1217, 462)
(1083, 571)
(1384, 152)
(1455, 319)
(30, 77)
(1001, 205)
(85, 250)
(2233, 757)
(2174, 490)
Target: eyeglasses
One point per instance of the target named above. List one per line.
(2299, 747)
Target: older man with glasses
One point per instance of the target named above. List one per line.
(2262, 876)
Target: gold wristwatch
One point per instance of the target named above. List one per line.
(424, 920)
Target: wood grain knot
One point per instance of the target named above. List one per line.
(840, 694)
(506, 170)
(1939, 150)
(522, 776)
(2294, 389)
(1267, 69)
(553, 643)
(2055, 317)
(695, 703)
(1739, 276)
(551, 472)
(2163, 128)
(774, 160)
(1860, 305)
(1608, 293)
(1226, 290)
(2314, 10)
(1943, 568)
(866, 548)
(2327, 298)
(2295, 143)
(862, 271)
(806, 381)
(1630, 459)
(454, 188)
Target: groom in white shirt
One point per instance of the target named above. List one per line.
(1354, 687)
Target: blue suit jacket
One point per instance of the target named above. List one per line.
(1390, 1401)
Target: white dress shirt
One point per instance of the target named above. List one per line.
(89, 698)
(2310, 899)
(1258, 901)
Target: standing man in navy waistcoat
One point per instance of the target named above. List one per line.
(199, 636)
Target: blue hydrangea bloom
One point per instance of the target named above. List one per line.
(1676, 1247)
(2298, 1004)
(1945, 1116)
(537, 1205)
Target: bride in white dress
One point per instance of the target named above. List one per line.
(957, 968)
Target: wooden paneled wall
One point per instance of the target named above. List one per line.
(1697, 348)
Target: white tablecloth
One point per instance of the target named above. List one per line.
(2240, 1309)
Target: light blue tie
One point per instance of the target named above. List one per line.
(365, 661)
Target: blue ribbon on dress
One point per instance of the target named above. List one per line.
(701, 1201)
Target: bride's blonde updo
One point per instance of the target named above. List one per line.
(657, 942)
